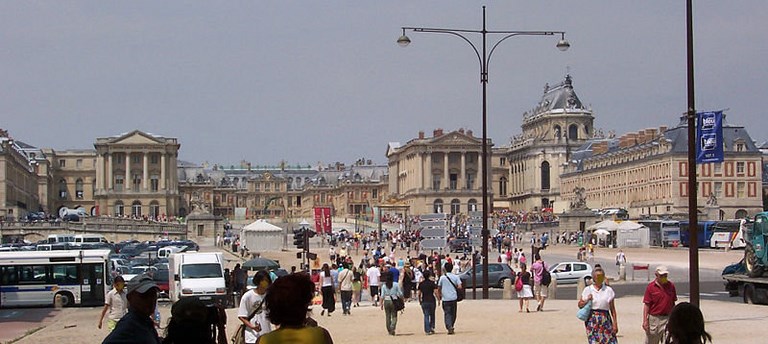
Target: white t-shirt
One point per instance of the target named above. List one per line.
(345, 280)
(248, 303)
(118, 303)
(327, 280)
(373, 276)
(601, 299)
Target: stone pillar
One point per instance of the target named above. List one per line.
(145, 176)
(446, 177)
(428, 181)
(109, 172)
(128, 184)
(162, 171)
(463, 171)
(99, 172)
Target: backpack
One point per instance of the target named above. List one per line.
(546, 278)
(519, 282)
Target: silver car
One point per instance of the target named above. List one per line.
(570, 272)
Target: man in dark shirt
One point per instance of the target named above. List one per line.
(137, 326)
(427, 300)
(659, 298)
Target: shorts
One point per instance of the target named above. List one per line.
(540, 290)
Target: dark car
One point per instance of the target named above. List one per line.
(161, 279)
(497, 273)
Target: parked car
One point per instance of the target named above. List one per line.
(497, 273)
(161, 277)
(570, 272)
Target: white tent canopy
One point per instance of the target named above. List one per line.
(608, 225)
(262, 225)
(261, 236)
(630, 225)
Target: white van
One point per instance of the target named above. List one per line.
(198, 274)
(60, 238)
(166, 252)
(89, 238)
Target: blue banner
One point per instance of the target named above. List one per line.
(709, 137)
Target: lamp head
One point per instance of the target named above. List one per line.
(563, 45)
(403, 41)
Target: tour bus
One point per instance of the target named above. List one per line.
(663, 233)
(729, 234)
(36, 278)
(704, 234)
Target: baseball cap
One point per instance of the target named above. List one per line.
(141, 283)
(662, 270)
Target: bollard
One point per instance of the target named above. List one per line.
(57, 303)
(552, 289)
(507, 294)
(580, 288)
(622, 272)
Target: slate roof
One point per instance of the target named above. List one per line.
(559, 96)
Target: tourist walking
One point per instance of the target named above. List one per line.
(660, 296)
(539, 289)
(252, 312)
(390, 291)
(523, 287)
(374, 275)
(326, 288)
(686, 325)
(345, 278)
(137, 326)
(357, 287)
(448, 292)
(407, 284)
(115, 304)
(426, 294)
(602, 326)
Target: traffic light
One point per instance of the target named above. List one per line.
(299, 238)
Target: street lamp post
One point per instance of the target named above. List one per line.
(484, 58)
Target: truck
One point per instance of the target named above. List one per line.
(197, 274)
(753, 290)
(745, 278)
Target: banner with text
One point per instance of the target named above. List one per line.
(709, 137)
(322, 220)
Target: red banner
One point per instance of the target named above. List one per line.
(322, 220)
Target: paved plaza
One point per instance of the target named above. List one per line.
(482, 321)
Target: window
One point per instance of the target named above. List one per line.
(62, 189)
(136, 182)
(154, 209)
(135, 159)
(136, 209)
(32, 274)
(267, 186)
(503, 186)
(79, 163)
(62, 163)
(558, 132)
(436, 181)
(740, 188)
(119, 158)
(573, 132)
(470, 181)
(718, 189)
(154, 183)
(437, 206)
(503, 161)
(718, 168)
(472, 205)
(455, 206)
(739, 147)
(579, 267)
(79, 188)
(453, 181)
(545, 184)
(740, 167)
(119, 208)
(119, 182)
(154, 159)
(375, 193)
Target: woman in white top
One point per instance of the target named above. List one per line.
(329, 300)
(602, 325)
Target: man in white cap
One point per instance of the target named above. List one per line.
(137, 326)
(659, 298)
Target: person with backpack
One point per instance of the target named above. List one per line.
(541, 280)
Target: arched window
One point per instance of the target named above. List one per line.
(558, 132)
(154, 209)
(545, 175)
(79, 188)
(62, 189)
(437, 206)
(741, 214)
(503, 186)
(472, 205)
(119, 208)
(455, 206)
(573, 132)
(136, 209)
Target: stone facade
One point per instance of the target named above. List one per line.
(22, 168)
(438, 174)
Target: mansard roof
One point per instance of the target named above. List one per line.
(558, 97)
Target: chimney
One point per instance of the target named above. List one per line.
(461, 130)
(631, 139)
(650, 134)
(662, 129)
(469, 133)
(438, 132)
(641, 137)
(421, 135)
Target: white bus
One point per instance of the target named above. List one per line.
(729, 234)
(35, 278)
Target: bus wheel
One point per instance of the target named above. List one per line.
(67, 300)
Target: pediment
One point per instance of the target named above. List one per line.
(457, 139)
(136, 137)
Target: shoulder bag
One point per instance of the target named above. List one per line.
(397, 301)
(239, 336)
(584, 312)
(519, 282)
(459, 291)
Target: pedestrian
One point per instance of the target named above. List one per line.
(448, 292)
(252, 312)
(326, 287)
(357, 287)
(621, 258)
(407, 282)
(390, 291)
(239, 279)
(539, 289)
(287, 303)
(345, 278)
(137, 325)
(116, 304)
(686, 325)
(602, 326)
(524, 294)
(374, 275)
(660, 296)
(193, 322)
(426, 294)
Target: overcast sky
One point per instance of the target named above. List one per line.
(309, 81)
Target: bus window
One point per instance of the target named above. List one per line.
(65, 274)
(9, 275)
(34, 274)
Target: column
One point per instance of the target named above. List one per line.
(162, 171)
(146, 171)
(109, 172)
(446, 177)
(463, 171)
(99, 172)
(428, 182)
(127, 184)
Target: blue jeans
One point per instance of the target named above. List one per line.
(449, 312)
(346, 300)
(428, 308)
